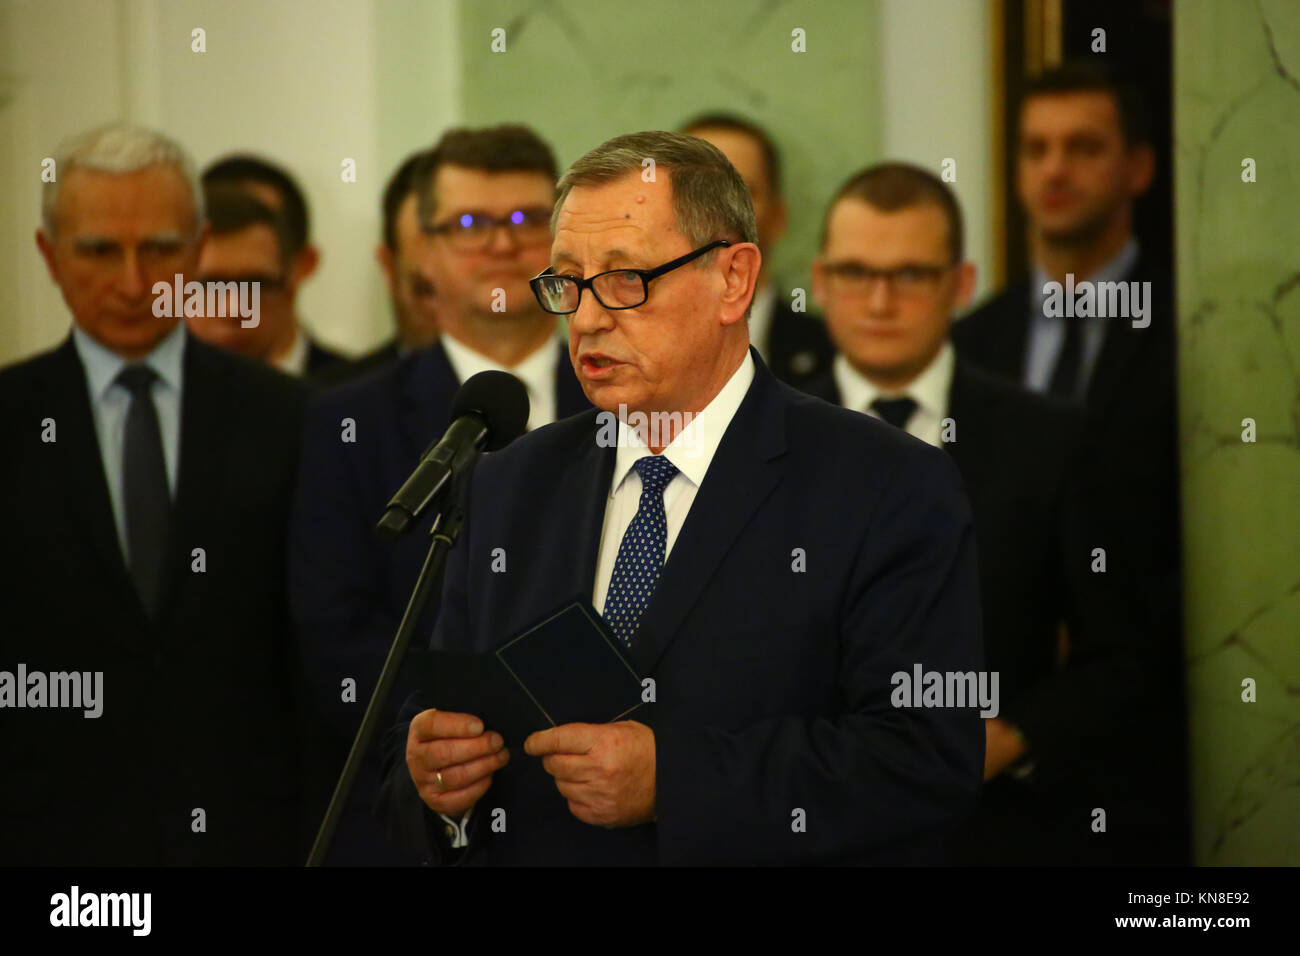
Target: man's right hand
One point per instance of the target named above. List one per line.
(456, 746)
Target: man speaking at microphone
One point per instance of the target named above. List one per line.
(767, 562)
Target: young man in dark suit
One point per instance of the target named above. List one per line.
(296, 352)
(793, 344)
(1084, 156)
(486, 199)
(145, 502)
(890, 275)
(772, 563)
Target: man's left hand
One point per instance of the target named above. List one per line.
(1003, 746)
(605, 771)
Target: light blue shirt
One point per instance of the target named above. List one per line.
(110, 400)
(1047, 333)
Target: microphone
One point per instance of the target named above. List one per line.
(489, 412)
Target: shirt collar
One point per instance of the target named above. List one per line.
(693, 449)
(929, 390)
(1112, 270)
(102, 365)
(536, 372)
(294, 361)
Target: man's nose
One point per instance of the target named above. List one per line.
(132, 283)
(232, 304)
(880, 297)
(591, 315)
(502, 241)
(1054, 164)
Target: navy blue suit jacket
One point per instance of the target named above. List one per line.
(773, 683)
(348, 589)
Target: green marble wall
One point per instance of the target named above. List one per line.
(1237, 97)
(581, 71)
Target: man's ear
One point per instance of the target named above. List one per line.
(46, 246)
(205, 235)
(384, 256)
(740, 273)
(1141, 168)
(305, 264)
(819, 284)
(966, 276)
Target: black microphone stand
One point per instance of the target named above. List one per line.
(445, 531)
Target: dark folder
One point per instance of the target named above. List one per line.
(565, 669)
(570, 667)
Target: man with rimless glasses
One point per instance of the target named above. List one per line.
(769, 583)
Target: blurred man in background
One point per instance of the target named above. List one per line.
(889, 278)
(248, 243)
(273, 186)
(793, 344)
(484, 202)
(401, 253)
(144, 501)
(1083, 157)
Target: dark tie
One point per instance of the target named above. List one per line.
(144, 487)
(641, 553)
(896, 411)
(1065, 377)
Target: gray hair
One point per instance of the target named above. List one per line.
(118, 148)
(710, 200)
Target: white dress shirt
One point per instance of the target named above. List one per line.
(929, 390)
(294, 361)
(691, 451)
(537, 372)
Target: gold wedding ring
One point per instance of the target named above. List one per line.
(438, 776)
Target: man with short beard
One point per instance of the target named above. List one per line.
(1083, 157)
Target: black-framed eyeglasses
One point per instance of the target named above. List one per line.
(265, 282)
(473, 230)
(909, 279)
(616, 289)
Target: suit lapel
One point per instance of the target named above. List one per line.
(580, 498)
(1002, 333)
(824, 387)
(744, 471)
(1123, 343)
(966, 412)
(205, 456)
(80, 469)
(428, 387)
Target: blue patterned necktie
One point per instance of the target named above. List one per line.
(641, 553)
